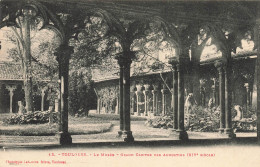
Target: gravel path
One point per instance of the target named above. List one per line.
(140, 132)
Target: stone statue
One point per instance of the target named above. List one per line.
(210, 104)
(21, 108)
(239, 113)
(189, 103)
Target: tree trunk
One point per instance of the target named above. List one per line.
(27, 66)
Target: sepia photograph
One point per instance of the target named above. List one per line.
(130, 83)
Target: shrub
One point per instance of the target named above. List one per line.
(205, 120)
(37, 117)
(81, 95)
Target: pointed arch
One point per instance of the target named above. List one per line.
(210, 44)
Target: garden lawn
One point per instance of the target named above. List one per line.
(77, 126)
(93, 124)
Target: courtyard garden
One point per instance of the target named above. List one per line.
(201, 119)
(37, 124)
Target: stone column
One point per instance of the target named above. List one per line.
(182, 134)
(117, 104)
(135, 106)
(174, 94)
(196, 81)
(132, 101)
(214, 94)
(11, 93)
(138, 92)
(98, 105)
(124, 61)
(228, 123)
(217, 94)
(219, 66)
(146, 91)
(101, 106)
(1, 95)
(51, 109)
(202, 96)
(155, 99)
(57, 106)
(120, 107)
(105, 107)
(63, 55)
(133, 98)
(247, 94)
(257, 37)
(42, 95)
(163, 101)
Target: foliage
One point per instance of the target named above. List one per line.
(91, 47)
(112, 117)
(51, 129)
(108, 93)
(203, 120)
(153, 49)
(93, 43)
(164, 122)
(37, 117)
(44, 66)
(81, 94)
(247, 123)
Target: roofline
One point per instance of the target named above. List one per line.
(253, 56)
(2, 79)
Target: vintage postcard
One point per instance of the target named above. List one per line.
(129, 83)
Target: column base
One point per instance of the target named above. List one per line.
(229, 133)
(119, 135)
(64, 138)
(127, 136)
(221, 130)
(179, 135)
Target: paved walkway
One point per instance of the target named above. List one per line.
(140, 133)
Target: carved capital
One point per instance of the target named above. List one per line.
(155, 86)
(132, 87)
(43, 90)
(173, 61)
(225, 68)
(178, 67)
(246, 86)
(146, 92)
(154, 92)
(163, 91)
(138, 87)
(218, 64)
(11, 88)
(125, 58)
(213, 88)
(63, 53)
(146, 87)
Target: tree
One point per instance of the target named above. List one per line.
(26, 19)
(93, 47)
(42, 63)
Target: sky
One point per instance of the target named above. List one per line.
(5, 43)
(44, 36)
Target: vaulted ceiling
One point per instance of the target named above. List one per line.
(232, 12)
(235, 12)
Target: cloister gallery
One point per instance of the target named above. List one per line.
(208, 50)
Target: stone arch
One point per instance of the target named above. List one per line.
(209, 37)
(209, 34)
